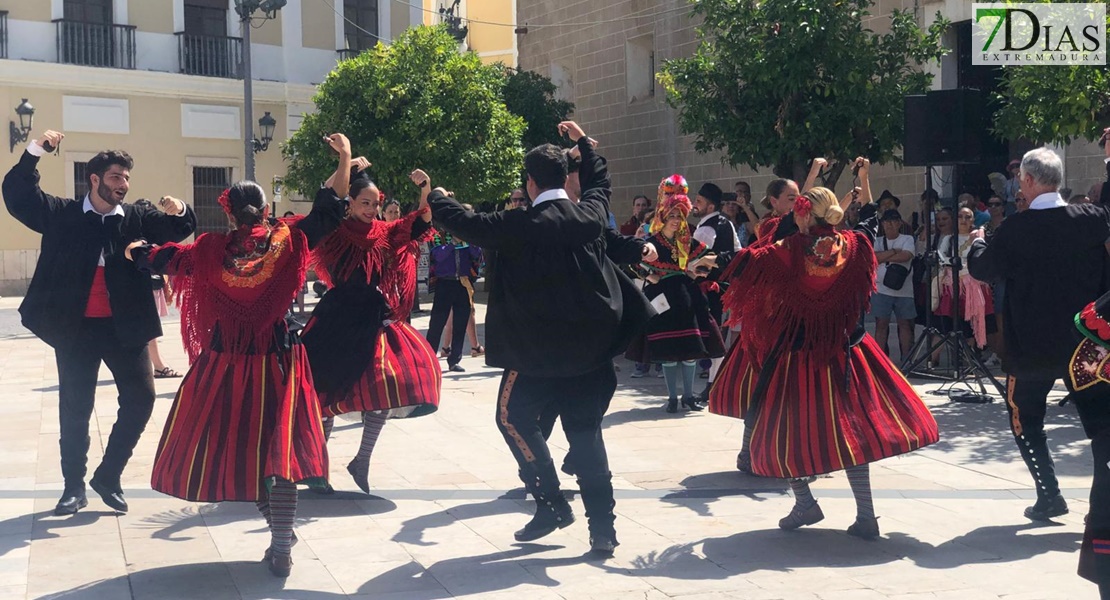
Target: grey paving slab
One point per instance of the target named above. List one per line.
(446, 501)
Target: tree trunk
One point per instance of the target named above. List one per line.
(834, 174)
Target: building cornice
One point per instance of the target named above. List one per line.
(124, 82)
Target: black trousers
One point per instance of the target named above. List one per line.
(1093, 405)
(1026, 403)
(450, 295)
(77, 372)
(580, 401)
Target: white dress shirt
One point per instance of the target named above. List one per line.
(555, 194)
(708, 235)
(1047, 200)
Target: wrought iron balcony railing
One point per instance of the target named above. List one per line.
(211, 56)
(95, 44)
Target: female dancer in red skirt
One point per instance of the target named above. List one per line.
(365, 356)
(816, 391)
(246, 422)
(685, 331)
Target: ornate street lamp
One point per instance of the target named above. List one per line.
(451, 17)
(246, 9)
(20, 134)
(266, 127)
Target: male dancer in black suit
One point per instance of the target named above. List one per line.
(92, 305)
(1053, 258)
(556, 319)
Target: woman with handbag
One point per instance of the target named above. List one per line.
(893, 289)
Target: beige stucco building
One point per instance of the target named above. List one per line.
(603, 56)
(161, 79)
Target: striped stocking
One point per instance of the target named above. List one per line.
(263, 505)
(283, 511)
(372, 423)
(859, 477)
(803, 498)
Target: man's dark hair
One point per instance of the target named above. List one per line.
(104, 160)
(745, 185)
(547, 166)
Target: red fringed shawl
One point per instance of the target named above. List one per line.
(817, 285)
(239, 283)
(377, 247)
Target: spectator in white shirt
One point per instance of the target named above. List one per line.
(893, 248)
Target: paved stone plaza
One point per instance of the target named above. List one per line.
(447, 501)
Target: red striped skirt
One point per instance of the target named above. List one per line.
(238, 422)
(403, 378)
(731, 393)
(810, 422)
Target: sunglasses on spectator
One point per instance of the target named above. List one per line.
(994, 204)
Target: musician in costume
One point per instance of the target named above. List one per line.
(684, 330)
(365, 356)
(245, 425)
(798, 302)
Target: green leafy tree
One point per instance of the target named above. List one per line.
(1054, 104)
(531, 96)
(416, 103)
(778, 82)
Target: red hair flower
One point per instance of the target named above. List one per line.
(802, 206)
(225, 201)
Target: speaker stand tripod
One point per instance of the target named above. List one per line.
(965, 361)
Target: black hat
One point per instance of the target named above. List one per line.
(891, 215)
(886, 194)
(712, 193)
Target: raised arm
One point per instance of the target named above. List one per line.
(814, 170)
(340, 180)
(22, 196)
(864, 180)
(593, 173)
(175, 222)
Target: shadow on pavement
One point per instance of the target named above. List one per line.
(42, 527)
(196, 581)
(412, 530)
(702, 490)
(982, 432)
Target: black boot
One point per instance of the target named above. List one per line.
(552, 510)
(597, 496)
(672, 404)
(1050, 504)
(690, 402)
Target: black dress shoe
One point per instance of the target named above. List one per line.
(603, 544)
(71, 502)
(113, 497)
(1047, 509)
(552, 512)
